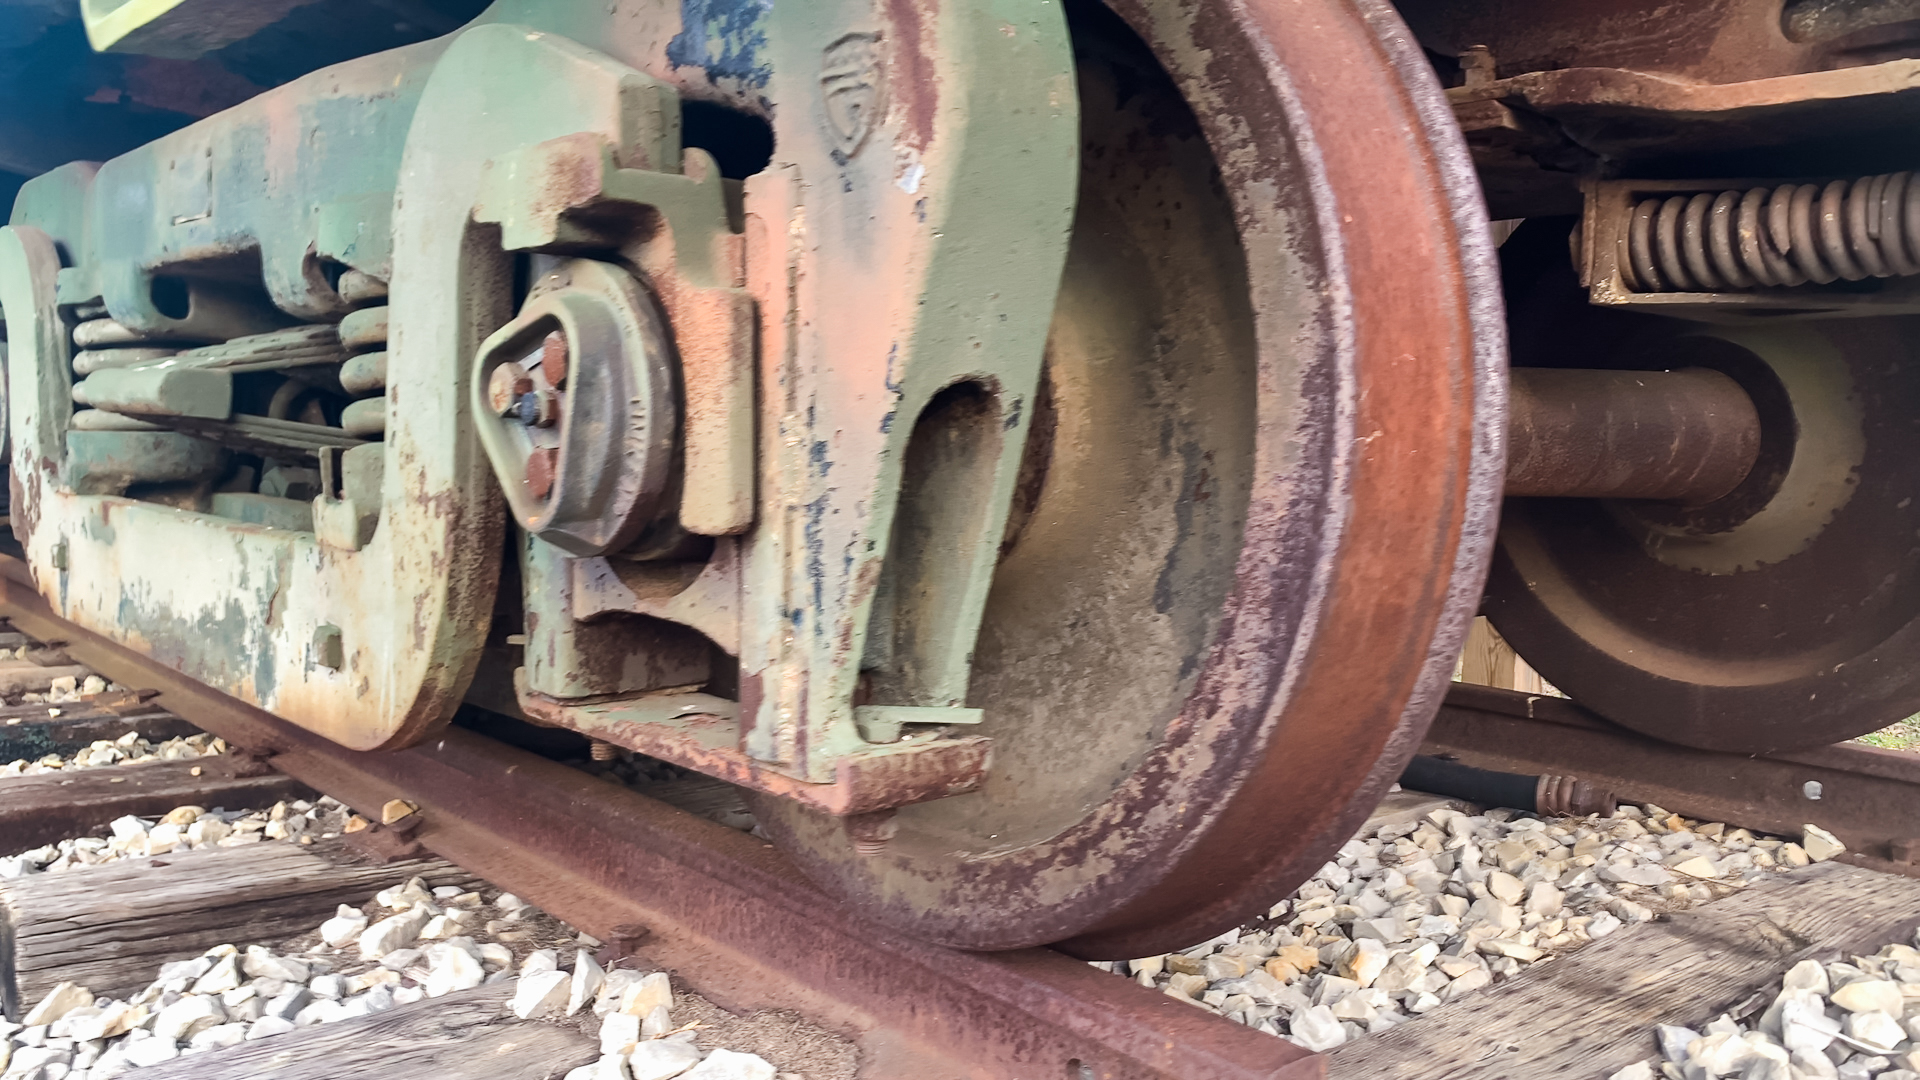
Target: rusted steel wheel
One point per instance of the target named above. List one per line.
(1256, 507)
(1783, 615)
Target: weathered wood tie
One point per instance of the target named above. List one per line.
(1592, 1013)
(465, 1035)
(25, 676)
(46, 807)
(32, 732)
(110, 927)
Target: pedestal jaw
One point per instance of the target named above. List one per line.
(902, 301)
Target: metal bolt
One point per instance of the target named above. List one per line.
(1477, 66)
(553, 359)
(1571, 795)
(541, 408)
(872, 832)
(1906, 850)
(542, 465)
(505, 386)
(604, 751)
(625, 939)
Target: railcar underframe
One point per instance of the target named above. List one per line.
(1048, 453)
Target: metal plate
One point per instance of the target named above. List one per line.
(1263, 497)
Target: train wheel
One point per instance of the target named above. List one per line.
(1783, 615)
(1255, 511)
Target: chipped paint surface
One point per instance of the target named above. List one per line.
(725, 38)
(875, 298)
(424, 122)
(235, 605)
(1374, 473)
(903, 251)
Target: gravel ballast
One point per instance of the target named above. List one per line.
(128, 749)
(1849, 1020)
(187, 828)
(1411, 915)
(408, 944)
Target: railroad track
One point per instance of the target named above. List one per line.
(694, 896)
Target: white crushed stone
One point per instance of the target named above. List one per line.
(1847, 1020)
(65, 689)
(230, 995)
(1417, 913)
(62, 690)
(125, 750)
(186, 828)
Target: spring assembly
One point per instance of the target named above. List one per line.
(1789, 234)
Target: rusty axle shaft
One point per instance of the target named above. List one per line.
(1688, 436)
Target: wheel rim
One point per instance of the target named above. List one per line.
(1260, 524)
(1780, 617)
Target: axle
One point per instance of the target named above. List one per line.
(1688, 436)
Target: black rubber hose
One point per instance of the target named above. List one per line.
(1485, 787)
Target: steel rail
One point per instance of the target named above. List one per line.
(722, 907)
(1866, 796)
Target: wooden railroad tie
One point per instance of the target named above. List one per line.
(465, 1035)
(1591, 1013)
(47, 807)
(110, 927)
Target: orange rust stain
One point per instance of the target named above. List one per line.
(912, 84)
(862, 784)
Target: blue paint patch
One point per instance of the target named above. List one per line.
(725, 38)
(893, 384)
(817, 553)
(204, 647)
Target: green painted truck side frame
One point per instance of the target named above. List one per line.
(861, 329)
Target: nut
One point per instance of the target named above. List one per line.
(540, 408)
(871, 832)
(505, 387)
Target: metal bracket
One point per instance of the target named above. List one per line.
(701, 732)
(569, 195)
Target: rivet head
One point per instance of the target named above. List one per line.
(542, 465)
(553, 359)
(505, 387)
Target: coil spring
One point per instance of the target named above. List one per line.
(1790, 234)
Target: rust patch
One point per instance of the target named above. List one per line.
(881, 779)
(913, 85)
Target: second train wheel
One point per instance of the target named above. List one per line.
(1782, 616)
(1256, 514)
